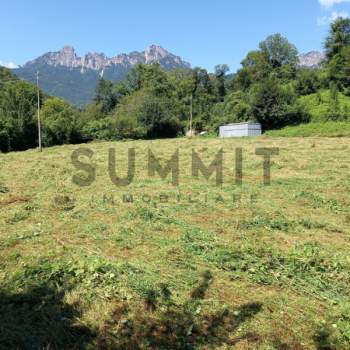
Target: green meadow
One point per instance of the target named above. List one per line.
(193, 266)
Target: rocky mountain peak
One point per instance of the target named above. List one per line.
(67, 57)
(312, 59)
(154, 53)
(67, 50)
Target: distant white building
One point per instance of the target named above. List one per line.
(240, 130)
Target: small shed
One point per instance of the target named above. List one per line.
(240, 130)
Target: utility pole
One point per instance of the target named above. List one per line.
(191, 113)
(39, 121)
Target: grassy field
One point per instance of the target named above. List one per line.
(190, 267)
(322, 129)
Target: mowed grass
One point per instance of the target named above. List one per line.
(197, 266)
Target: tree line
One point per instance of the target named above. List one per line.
(269, 88)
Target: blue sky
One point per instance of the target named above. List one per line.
(202, 32)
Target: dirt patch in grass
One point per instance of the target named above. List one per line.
(13, 200)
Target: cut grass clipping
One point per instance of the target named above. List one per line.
(190, 267)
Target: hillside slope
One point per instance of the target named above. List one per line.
(314, 129)
(151, 265)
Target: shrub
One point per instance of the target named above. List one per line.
(100, 129)
(275, 106)
(60, 123)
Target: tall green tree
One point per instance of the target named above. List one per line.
(276, 56)
(337, 48)
(255, 68)
(279, 51)
(151, 77)
(220, 74)
(18, 107)
(338, 37)
(105, 95)
(339, 70)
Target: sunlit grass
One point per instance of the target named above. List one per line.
(250, 267)
(322, 129)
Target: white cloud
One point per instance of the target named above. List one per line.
(326, 20)
(10, 65)
(331, 3)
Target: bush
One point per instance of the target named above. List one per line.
(335, 113)
(100, 129)
(5, 135)
(324, 103)
(307, 82)
(60, 123)
(234, 109)
(159, 116)
(129, 128)
(275, 106)
(143, 114)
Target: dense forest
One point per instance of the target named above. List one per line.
(270, 88)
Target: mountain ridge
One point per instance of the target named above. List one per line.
(65, 74)
(67, 57)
